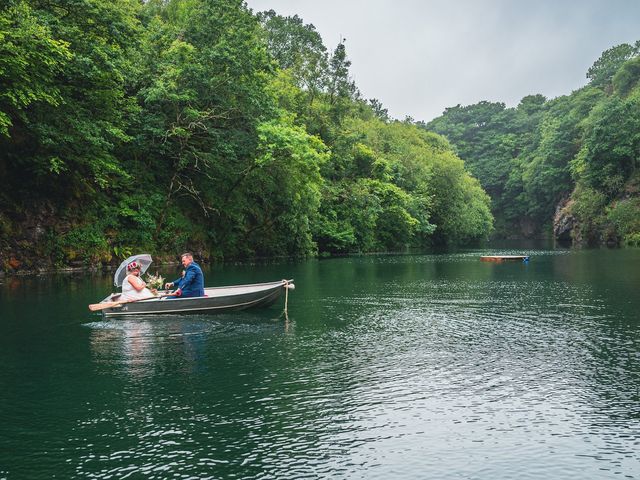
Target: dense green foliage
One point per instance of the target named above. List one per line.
(165, 125)
(573, 159)
(197, 124)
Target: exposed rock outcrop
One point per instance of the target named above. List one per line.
(564, 223)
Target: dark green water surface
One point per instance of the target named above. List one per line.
(411, 367)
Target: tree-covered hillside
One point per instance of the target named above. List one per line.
(566, 166)
(165, 125)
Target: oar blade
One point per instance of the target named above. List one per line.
(94, 307)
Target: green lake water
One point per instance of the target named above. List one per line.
(395, 366)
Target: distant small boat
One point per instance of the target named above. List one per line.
(504, 258)
(216, 300)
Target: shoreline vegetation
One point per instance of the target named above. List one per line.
(200, 125)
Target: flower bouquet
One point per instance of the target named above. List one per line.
(154, 281)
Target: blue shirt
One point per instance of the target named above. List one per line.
(192, 284)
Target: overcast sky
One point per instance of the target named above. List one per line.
(419, 57)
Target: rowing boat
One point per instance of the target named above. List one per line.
(216, 300)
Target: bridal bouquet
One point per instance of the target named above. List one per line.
(154, 281)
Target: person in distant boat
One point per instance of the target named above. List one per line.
(133, 287)
(191, 283)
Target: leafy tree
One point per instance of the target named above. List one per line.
(70, 136)
(489, 138)
(418, 183)
(601, 73)
(611, 149)
(282, 193)
(30, 60)
(624, 215)
(204, 94)
(588, 207)
(339, 85)
(546, 173)
(298, 48)
(480, 134)
(378, 109)
(627, 77)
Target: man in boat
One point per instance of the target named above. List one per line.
(191, 283)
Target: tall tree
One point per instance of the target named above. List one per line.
(297, 47)
(204, 96)
(339, 83)
(601, 73)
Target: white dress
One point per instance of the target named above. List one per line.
(130, 293)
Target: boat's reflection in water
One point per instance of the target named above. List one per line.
(140, 346)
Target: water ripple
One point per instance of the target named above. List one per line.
(442, 367)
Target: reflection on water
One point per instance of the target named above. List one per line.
(134, 343)
(424, 366)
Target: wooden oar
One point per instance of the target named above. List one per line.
(94, 307)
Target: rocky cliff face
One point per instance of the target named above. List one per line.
(23, 238)
(564, 224)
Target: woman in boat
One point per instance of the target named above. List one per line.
(133, 287)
